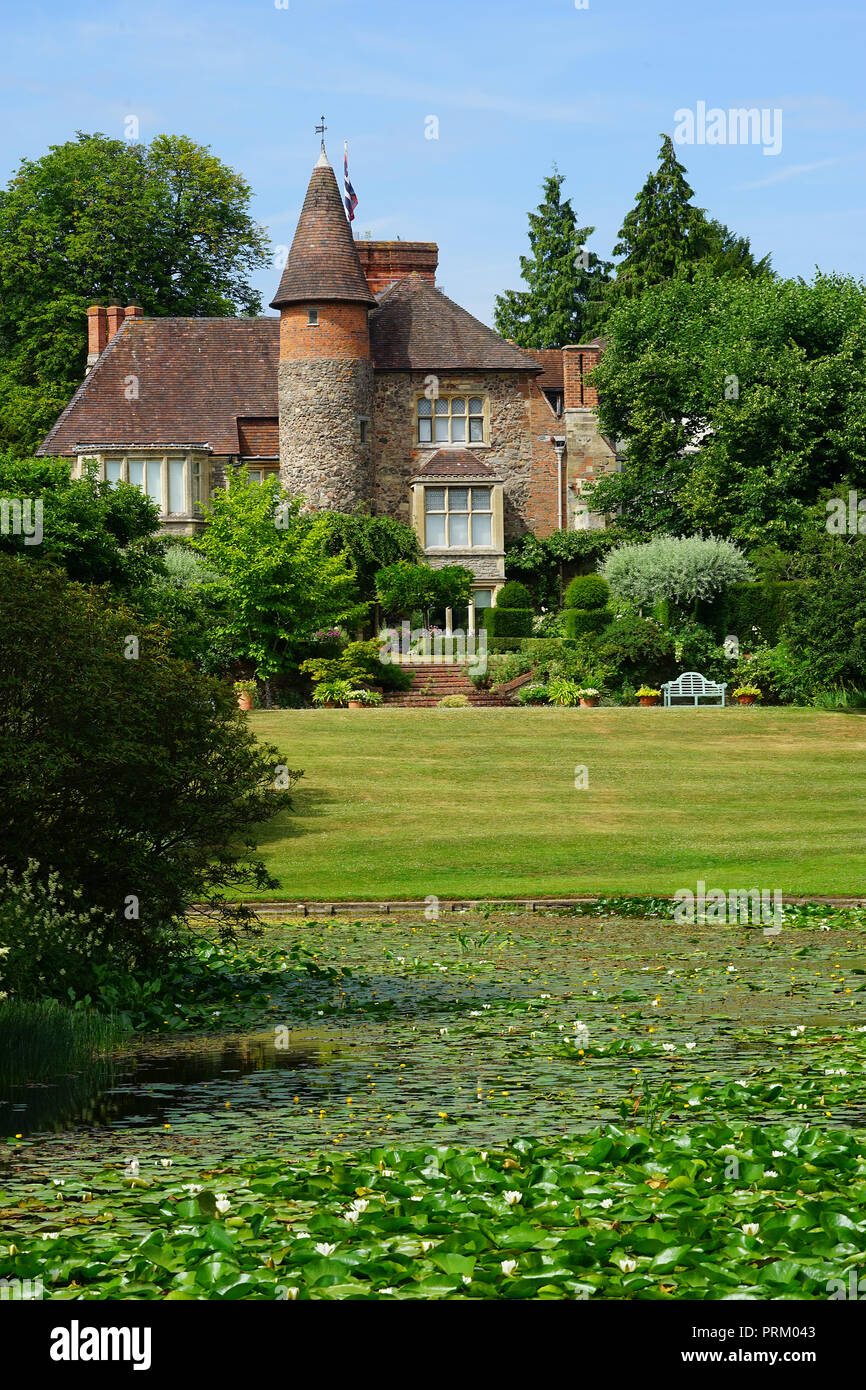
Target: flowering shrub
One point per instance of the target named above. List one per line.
(49, 940)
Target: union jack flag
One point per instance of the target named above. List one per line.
(351, 197)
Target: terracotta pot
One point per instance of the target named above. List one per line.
(245, 701)
(356, 704)
(648, 699)
(746, 699)
(588, 701)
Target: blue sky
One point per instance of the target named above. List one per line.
(514, 85)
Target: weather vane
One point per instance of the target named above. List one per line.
(320, 130)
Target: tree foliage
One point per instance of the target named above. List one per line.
(564, 280)
(125, 772)
(282, 584)
(97, 220)
(404, 588)
(678, 568)
(99, 533)
(664, 236)
(739, 402)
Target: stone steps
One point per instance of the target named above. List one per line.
(430, 683)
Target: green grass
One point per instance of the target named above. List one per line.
(482, 802)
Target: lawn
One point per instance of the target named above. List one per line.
(482, 802)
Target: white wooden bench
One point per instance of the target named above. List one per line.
(691, 685)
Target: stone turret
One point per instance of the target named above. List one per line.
(326, 368)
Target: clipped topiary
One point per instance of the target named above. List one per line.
(514, 595)
(582, 621)
(588, 591)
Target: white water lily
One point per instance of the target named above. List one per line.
(324, 1248)
(467, 1278)
(607, 1202)
(750, 1228)
(427, 1245)
(443, 1032)
(508, 1266)
(165, 1162)
(778, 1153)
(669, 1047)
(544, 996)
(771, 1173)
(48, 1235)
(132, 1166)
(690, 1046)
(292, 1293)
(581, 1033)
(222, 1203)
(484, 1155)
(351, 1215)
(627, 1264)
(359, 1204)
(301, 1235)
(193, 1188)
(512, 1198)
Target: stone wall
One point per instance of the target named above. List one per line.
(321, 454)
(397, 457)
(589, 456)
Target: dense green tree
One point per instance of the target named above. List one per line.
(565, 281)
(282, 585)
(740, 402)
(124, 771)
(371, 543)
(404, 588)
(99, 533)
(664, 235)
(95, 220)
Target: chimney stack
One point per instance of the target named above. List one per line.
(115, 319)
(97, 333)
(383, 262)
(133, 311)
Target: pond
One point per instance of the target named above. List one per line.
(403, 1030)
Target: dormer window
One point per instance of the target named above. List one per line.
(312, 318)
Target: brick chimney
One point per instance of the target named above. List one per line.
(97, 333)
(133, 311)
(115, 319)
(578, 361)
(383, 262)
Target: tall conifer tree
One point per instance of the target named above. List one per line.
(565, 281)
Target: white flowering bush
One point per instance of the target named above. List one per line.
(50, 941)
(678, 568)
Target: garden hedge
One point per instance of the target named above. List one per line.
(508, 622)
(744, 606)
(580, 621)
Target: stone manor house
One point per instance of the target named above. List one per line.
(371, 388)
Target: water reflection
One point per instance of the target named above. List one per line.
(159, 1087)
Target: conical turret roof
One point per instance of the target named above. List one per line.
(323, 263)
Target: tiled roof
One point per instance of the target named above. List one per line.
(323, 263)
(455, 463)
(194, 378)
(550, 359)
(415, 327)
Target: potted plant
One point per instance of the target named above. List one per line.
(648, 696)
(332, 694)
(589, 697)
(563, 692)
(747, 694)
(364, 699)
(246, 693)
